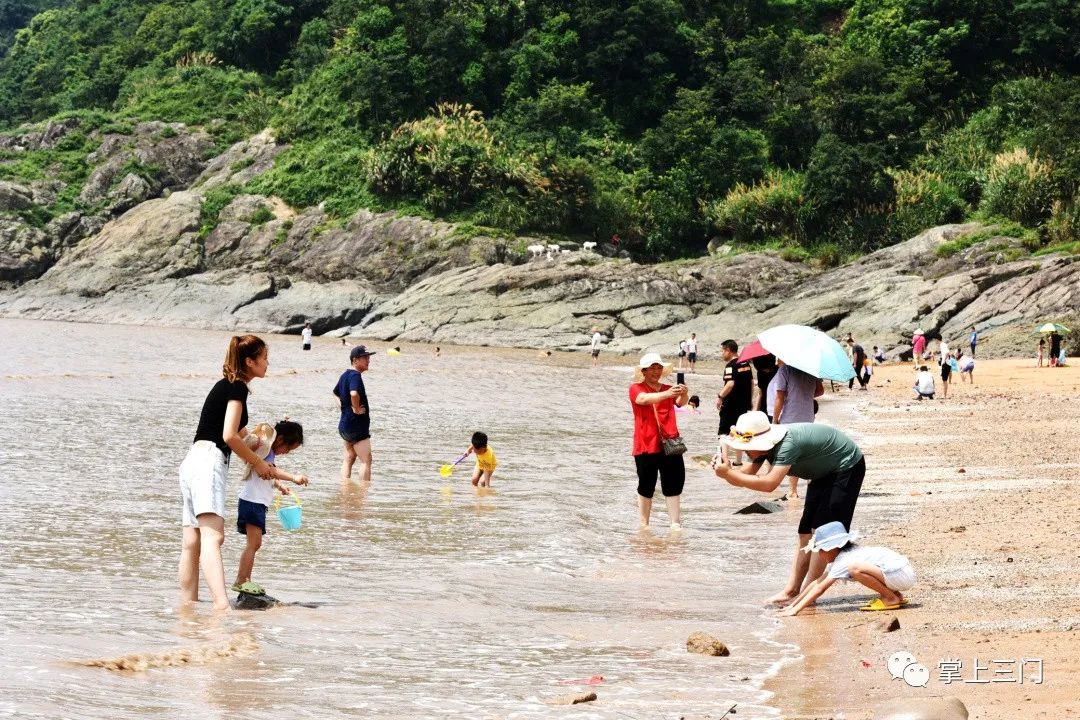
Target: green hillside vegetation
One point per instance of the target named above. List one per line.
(829, 126)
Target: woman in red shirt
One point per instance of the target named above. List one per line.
(654, 411)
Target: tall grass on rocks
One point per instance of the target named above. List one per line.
(1019, 187)
(451, 161)
(772, 209)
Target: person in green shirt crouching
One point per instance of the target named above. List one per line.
(826, 457)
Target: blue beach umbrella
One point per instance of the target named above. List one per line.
(809, 350)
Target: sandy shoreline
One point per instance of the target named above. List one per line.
(980, 491)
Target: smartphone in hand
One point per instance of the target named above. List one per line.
(680, 378)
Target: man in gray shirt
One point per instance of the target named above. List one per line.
(828, 458)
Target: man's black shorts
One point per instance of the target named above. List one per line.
(354, 437)
(832, 498)
(671, 469)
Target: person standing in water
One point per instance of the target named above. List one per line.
(654, 406)
(306, 335)
(220, 433)
(595, 344)
(354, 426)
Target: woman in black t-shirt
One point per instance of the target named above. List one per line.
(202, 474)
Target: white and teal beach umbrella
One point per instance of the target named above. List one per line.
(1049, 327)
(809, 350)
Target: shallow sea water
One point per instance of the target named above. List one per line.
(434, 601)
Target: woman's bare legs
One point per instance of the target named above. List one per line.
(211, 536)
(188, 573)
(673, 511)
(644, 505)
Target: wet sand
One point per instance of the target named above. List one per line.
(980, 491)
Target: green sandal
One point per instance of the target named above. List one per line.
(249, 587)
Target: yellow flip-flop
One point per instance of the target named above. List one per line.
(876, 605)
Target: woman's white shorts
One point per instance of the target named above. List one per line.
(202, 482)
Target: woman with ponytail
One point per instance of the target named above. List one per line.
(202, 474)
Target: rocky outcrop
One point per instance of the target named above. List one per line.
(128, 255)
(241, 163)
(156, 156)
(45, 137)
(15, 197)
(559, 299)
(127, 168)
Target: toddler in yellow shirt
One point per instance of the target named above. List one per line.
(485, 459)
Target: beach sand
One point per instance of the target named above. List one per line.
(981, 492)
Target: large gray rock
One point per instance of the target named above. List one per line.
(241, 163)
(922, 708)
(131, 191)
(15, 197)
(167, 155)
(155, 240)
(554, 304)
(25, 252)
(40, 137)
(389, 251)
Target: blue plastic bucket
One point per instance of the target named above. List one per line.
(291, 516)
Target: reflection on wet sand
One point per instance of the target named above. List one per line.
(351, 499)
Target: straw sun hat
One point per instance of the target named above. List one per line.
(753, 431)
(648, 360)
(260, 439)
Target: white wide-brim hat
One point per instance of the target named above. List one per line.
(753, 431)
(830, 536)
(647, 361)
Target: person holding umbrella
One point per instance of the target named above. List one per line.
(1055, 348)
(825, 456)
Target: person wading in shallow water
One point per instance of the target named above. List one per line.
(354, 426)
(654, 417)
(220, 433)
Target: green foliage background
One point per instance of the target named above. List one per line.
(842, 125)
